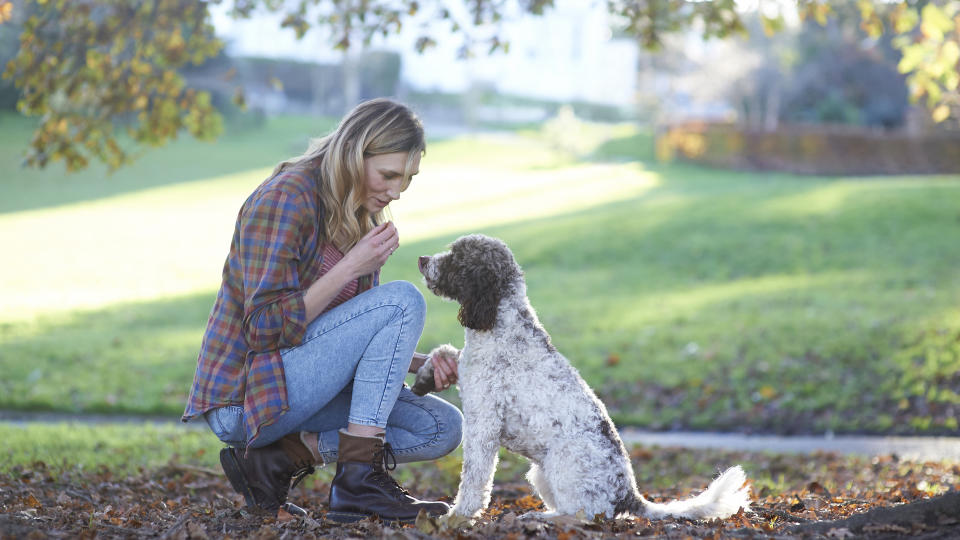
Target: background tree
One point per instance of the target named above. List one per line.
(843, 74)
(94, 70)
(835, 73)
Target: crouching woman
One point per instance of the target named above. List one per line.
(305, 352)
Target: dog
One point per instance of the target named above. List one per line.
(519, 392)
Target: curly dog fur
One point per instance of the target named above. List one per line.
(518, 391)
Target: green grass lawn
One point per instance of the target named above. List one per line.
(687, 297)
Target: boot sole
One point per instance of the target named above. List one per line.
(231, 467)
(353, 517)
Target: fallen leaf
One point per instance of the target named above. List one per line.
(32, 501)
(533, 527)
(426, 524)
(528, 502)
(817, 488)
(566, 522)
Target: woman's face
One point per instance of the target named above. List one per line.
(383, 177)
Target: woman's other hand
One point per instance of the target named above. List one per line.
(373, 250)
(444, 369)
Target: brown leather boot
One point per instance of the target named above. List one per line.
(363, 488)
(263, 475)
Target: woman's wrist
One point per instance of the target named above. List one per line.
(344, 270)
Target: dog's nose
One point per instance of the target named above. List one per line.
(422, 262)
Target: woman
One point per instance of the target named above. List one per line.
(305, 353)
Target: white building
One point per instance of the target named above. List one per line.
(568, 54)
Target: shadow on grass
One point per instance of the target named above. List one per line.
(130, 358)
(187, 159)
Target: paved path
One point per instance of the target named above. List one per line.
(910, 448)
(24, 418)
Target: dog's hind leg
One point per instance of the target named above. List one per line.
(577, 478)
(542, 486)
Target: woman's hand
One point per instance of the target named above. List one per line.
(444, 369)
(373, 250)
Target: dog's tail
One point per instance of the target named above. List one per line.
(723, 498)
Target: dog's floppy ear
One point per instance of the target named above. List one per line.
(484, 269)
(478, 308)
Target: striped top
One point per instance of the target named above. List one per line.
(275, 255)
(331, 256)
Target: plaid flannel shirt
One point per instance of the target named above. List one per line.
(275, 255)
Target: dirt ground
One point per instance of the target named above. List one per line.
(878, 498)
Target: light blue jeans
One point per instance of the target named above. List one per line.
(350, 368)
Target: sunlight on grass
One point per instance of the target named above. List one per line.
(169, 241)
(148, 244)
(448, 200)
(832, 197)
(694, 299)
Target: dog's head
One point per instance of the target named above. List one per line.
(477, 272)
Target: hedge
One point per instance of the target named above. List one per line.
(811, 150)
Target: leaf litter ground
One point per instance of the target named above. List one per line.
(795, 496)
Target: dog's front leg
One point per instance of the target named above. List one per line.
(480, 447)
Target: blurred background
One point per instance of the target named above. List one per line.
(756, 233)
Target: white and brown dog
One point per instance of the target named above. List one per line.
(518, 391)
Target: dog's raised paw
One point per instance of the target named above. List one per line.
(424, 382)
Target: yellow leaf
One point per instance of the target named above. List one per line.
(771, 25)
(6, 11)
(905, 19)
(768, 392)
(821, 12)
(950, 53)
(528, 502)
(426, 524)
(941, 113)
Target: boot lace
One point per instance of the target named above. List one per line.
(301, 473)
(384, 460)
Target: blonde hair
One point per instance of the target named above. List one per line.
(378, 126)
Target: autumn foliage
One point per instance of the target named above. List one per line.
(822, 495)
(103, 77)
(98, 71)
